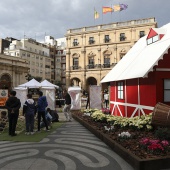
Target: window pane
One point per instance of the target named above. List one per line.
(155, 38)
(166, 95)
(121, 94)
(167, 84)
(149, 41)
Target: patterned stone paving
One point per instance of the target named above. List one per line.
(70, 147)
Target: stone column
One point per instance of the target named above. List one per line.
(83, 51)
(68, 70)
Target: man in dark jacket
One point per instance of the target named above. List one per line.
(67, 106)
(13, 104)
(29, 110)
(42, 104)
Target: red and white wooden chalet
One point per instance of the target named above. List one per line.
(142, 77)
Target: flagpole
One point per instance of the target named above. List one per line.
(102, 14)
(94, 15)
(111, 13)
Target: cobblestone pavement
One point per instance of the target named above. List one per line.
(70, 147)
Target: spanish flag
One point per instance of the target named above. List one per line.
(96, 14)
(107, 9)
(117, 8)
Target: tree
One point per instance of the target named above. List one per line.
(29, 77)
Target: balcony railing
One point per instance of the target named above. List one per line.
(106, 65)
(106, 40)
(90, 66)
(75, 67)
(75, 43)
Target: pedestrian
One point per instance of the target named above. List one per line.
(42, 104)
(106, 99)
(54, 115)
(29, 111)
(48, 118)
(67, 106)
(13, 105)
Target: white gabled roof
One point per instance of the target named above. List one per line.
(31, 84)
(140, 59)
(46, 83)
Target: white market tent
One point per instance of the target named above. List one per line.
(46, 83)
(141, 59)
(46, 87)
(75, 97)
(31, 84)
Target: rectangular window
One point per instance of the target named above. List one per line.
(106, 39)
(91, 40)
(166, 90)
(120, 90)
(122, 37)
(141, 34)
(106, 62)
(75, 63)
(75, 42)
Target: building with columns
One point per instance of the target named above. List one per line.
(93, 51)
(13, 71)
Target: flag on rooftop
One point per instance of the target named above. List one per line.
(96, 14)
(123, 6)
(116, 8)
(107, 9)
(119, 7)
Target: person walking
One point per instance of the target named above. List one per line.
(67, 106)
(42, 104)
(13, 105)
(29, 110)
(106, 99)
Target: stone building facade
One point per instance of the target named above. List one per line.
(93, 51)
(13, 71)
(37, 55)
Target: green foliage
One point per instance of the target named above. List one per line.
(137, 122)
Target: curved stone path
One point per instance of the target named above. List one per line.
(70, 147)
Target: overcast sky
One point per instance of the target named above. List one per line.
(37, 18)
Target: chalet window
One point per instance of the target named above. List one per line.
(166, 90)
(152, 39)
(141, 34)
(106, 39)
(120, 90)
(75, 42)
(122, 37)
(75, 63)
(91, 40)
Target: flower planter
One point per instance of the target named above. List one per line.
(133, 160)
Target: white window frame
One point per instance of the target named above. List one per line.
(120, 90)
(166, 90)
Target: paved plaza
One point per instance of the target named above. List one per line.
(70, 147)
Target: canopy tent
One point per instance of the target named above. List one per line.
(31, 84)
(21, 93)
(47, 88)
(75, 97)
(46, 83)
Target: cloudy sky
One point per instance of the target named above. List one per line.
(37, 18)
